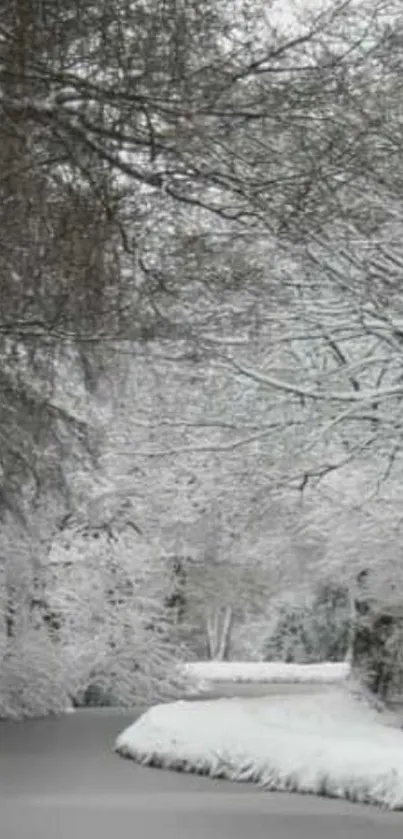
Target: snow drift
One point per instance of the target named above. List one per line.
(262, 672)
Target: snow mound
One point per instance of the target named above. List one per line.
(265, 672)
(332, 744)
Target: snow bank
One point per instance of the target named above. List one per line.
(262, 672)
(332, 743)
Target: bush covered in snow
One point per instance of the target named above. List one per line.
(33, 680)
(95, 631)
(377, 656)
(313, 628)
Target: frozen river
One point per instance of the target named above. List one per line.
(59, 779)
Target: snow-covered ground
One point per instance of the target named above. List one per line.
(331, 742)
(205, 673)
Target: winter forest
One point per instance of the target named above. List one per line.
(201, 338)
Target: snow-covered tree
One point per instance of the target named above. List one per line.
(188, 187)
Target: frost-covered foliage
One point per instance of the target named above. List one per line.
(107, 589)
(312, 629)
(378, 639)
(255, 369)
(91, 627)
(33, 677)
(34, 680)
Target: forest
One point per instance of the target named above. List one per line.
(201, 340)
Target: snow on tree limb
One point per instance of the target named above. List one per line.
(331, 396)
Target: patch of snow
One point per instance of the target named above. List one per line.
(331, 743)
(205, 673)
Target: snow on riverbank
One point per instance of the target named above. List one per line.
(274, 672)
(331, 743)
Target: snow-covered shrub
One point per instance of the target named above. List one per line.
(33, 680)
(377, 653)
(313, 628)
(107, 588)
(88, 627)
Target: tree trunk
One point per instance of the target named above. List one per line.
(219, 623)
